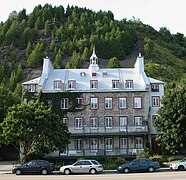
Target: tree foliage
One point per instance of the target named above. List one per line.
(171, 120)
(34, 127)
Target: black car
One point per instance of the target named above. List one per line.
(139, 165)
(34, 167)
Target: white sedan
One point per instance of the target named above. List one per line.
(82, 166)
(181, 165)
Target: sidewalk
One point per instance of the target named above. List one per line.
(6, 167)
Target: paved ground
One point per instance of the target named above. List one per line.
(6, 166)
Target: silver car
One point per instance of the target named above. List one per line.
(82, 166)
(181, 165)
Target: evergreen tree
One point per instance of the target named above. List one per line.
(12, 82)
(47, 28)
(57, 62)
(19, 73)
(28, 49)
(86, 54)
(113, 63)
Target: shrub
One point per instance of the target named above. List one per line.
(120, 160)
(157, 158)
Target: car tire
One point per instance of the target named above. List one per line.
(44, 172)
(126, 170)
(151, 169)
(181, 168)
(67, 171)
(18, 172)
(92, 171)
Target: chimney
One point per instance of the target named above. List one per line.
(139, 65)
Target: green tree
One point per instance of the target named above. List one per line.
(12, 82)
(76, 61)
(47, 28)
(19, 73)
(35, 128)
(85, 55)
(57, 61)
(28, 49)
(113, 63)
(171, 120)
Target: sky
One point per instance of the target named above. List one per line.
(156, 13)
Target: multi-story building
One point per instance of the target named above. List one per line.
(108, 111)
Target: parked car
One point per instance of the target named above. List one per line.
(181, 165)
(82, 166)
(34, 167)
(139, 165)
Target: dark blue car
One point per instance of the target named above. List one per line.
(139, 165)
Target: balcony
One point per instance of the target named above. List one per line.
(102, 152)
(103, 130)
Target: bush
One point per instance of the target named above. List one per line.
(157, 158)
(144, 154)
(120, 161)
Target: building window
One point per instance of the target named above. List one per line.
(64, 103)
(94, 103)
(71, 84)
(93, 122)
(129, 84)
(108, 103)
(79, 103)
(153, 120)
(93, 84)
(123, 122)
(123, 143)
(108, 144)
(93, 144)
(78, 123)
(78, 144)
(57, 85)
(31, 88)
(108, 122)
(115, 84)
(139, 142)
(65, 121)
(137, 103)
(138, 121)
(155, 101)
(154, 87)
(122, 102)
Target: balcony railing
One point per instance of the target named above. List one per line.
(107, 130)
(102, 152)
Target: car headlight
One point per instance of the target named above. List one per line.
(119, 167)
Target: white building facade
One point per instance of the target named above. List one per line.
(109, 112)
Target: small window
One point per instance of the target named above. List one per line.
(108, 144)
(93, 84)
(115, 84)
(108, 122)
(65, 120)
(154, 87)
(71, 84)
(78, 148)
(155, 101)
(137, 103)
(94, 74)
(64, 103)
(93, 122)
(78, 123)
(79, 103)
(108, 103)
(129, 84)
(122, 102)
(138, 121)
(94, 103)
(57, 85)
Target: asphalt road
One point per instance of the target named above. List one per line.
(167, 175)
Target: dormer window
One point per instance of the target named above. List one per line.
(129, 84)
(93, 84)
(155, 87)
(57, 85)
(115, 84)
(71, 84)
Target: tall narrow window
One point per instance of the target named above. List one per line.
(123, 143)
(123, 123)
(129, 84)
(108, 122)
(122, 102)
(137, 103)
(94, 103)
(71, 84)
(115, 84)
(139, 142)
(64, 103)
(93, 144)
(138, 121)
(78, 123)
(155, 101)
(93, 84)
(78, 144)
(108, 103)
(108, 144)
(93, 122)
(79, 103)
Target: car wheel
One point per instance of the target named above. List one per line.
(126, 170)
(18, 172)
(92, 171)
(180, 167)
(67, 171)
(44, 172)
(151, 169)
